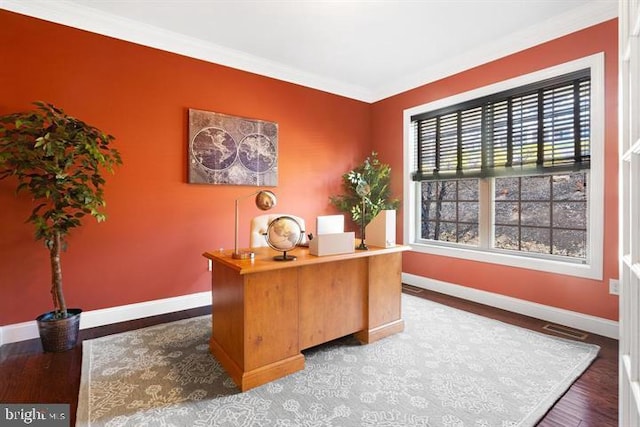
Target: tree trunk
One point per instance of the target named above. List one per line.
(440, 196)
(427, 198)
(59, 304)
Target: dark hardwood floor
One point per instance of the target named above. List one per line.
(29, 376)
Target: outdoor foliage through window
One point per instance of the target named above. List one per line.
(450, 211)
(544, 214)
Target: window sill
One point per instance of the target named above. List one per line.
(576, 269)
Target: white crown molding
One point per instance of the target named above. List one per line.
(106, 316)
(85, 18)
(591, 14)
(583, 322)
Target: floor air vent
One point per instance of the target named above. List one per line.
(411, 289)
(567, 332)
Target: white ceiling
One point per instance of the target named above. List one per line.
(366, 50)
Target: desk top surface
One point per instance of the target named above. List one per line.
(264, 261)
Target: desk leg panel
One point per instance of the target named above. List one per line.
(270, 317)
(246, 380)
(368, 336)
(227, 293)
(271, 372)
(255, 325)
(384, 299)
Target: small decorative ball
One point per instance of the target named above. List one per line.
(265, 200)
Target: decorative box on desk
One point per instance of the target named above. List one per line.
(381, 231)
(332, 244)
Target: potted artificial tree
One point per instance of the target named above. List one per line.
(60, 161)
(367, 192)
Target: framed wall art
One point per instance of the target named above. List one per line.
(232, 150)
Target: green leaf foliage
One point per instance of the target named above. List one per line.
(378, 176)
(60, 161)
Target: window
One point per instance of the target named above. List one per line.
(537, 215)
(450, 211)
(542, 215)
(512, 173)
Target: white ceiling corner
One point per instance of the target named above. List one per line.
(362, 49)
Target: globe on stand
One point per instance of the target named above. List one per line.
(284, 234)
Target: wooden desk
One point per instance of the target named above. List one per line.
(266, 312)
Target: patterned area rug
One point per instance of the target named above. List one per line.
(449, 368)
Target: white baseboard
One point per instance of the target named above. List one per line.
(584, 322)
(90, 319)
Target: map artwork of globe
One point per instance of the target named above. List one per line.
(257, 153)
(214, 149)
(232, 150)
(284, 234)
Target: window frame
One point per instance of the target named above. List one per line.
(592, 268)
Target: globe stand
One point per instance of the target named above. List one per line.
(362, 246)
(284, 257)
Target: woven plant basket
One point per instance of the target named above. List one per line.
(58, 335)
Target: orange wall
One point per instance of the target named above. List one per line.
(581, 295)
(158, 225)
